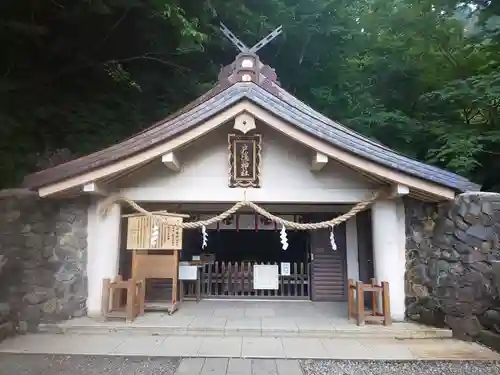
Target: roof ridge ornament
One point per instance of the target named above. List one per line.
(257, 46)
(264, 41)
(247, 66)
(233, 38)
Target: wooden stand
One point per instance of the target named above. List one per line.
(197, 285)
(356, 302)
(158, 266)
(156, 243)
(204, 259)
(112, 306)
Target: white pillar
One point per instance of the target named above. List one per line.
(389, 251)
(103, 252)
(352, 249)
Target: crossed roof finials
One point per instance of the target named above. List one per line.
(259, 45)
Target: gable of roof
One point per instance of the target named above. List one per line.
(266, 93)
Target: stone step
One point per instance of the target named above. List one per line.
(374, 332)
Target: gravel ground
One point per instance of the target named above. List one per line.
(35, 364)
(313, 367)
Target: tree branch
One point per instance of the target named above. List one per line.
(147, 56)
(7, 72)
(113, 28)
(473, 116)
(466, 112)
(444, 52)
(57, 4)
(491, 152)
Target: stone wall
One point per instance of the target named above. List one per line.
(43, 247)
(450, 261)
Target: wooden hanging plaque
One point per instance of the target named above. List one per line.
(244, 160)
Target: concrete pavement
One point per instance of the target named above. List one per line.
(247, 347)
(250, 318)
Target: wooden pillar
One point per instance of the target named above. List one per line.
(389, 252)
(103, 252)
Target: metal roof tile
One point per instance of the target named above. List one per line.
(280, 103)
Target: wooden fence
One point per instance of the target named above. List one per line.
(235, 280)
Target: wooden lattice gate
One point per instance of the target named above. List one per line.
(235, 280)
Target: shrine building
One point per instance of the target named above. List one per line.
(247, 139)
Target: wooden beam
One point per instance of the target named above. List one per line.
(144, 156)
(94, 189)
(399, 190)
(171, 161)
(319, 161)
(433, 190)
(190, 193)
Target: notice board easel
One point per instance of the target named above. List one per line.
(146, 235)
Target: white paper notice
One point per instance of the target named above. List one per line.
(188, 272)
(265, 277)
(285, 269)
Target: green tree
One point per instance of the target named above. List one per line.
(418, 76)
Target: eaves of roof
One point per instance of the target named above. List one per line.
(281, 104)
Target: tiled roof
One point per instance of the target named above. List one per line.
(276, 100)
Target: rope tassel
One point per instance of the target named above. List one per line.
(332, 239)
(284, 239)
(204, 237)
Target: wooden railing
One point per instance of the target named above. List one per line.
(235, 280)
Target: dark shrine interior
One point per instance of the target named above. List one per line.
(248, 245)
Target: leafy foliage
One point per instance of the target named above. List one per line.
(419, 76)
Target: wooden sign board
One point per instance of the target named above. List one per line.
(246, 222)
(145, 233)
(244, 160)
(207, 258)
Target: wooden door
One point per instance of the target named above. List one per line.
(328, 266)
(365, 250)
(365, 246)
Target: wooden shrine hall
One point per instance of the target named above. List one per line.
(246, 193)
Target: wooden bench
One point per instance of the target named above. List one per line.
(112, 298)
(356, 302)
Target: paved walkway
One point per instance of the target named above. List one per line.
(32, 364)
(247, 347)
(252, 318)
(238, 366)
